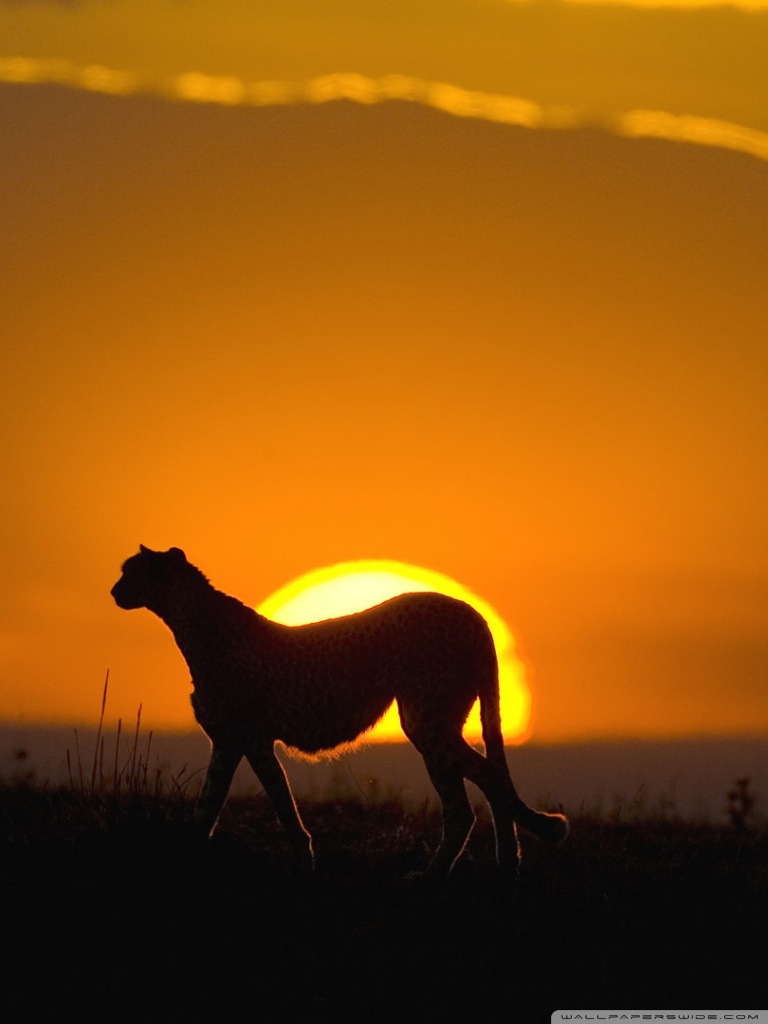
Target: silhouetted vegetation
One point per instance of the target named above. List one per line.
(741, 804)
(115, 912)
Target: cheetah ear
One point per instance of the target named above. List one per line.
(145, 551)
(177, 554)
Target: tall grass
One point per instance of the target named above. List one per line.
(125, 783)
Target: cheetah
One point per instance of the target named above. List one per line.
(319, 686)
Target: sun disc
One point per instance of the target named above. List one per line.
(353, 586)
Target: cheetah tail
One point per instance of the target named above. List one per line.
(552, 828)
(490, 718)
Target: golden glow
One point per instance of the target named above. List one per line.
(352, 586)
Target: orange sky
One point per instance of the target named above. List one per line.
(283, 336)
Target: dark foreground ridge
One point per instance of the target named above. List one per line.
(113, 913)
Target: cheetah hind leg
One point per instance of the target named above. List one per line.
(458, 822)
(509, 811)
(495, 784)
(460, 761)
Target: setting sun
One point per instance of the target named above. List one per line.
(353, 586)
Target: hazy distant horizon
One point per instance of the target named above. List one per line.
(687, 776)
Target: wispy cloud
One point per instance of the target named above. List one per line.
(194, 87)
(687, 5)
(703, 131)
(361, 89)
(92, 77)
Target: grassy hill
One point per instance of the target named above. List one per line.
(113, 912)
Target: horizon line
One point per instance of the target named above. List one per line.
(757, 735)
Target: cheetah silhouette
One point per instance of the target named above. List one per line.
(315, 687)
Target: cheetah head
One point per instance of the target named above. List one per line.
(146, 576)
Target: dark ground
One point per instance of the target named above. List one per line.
(113, 914)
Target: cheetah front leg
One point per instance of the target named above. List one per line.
(272, 777)
(217, 783)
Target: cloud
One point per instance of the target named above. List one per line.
(703, 131)
(92, 77)
(359, 88)
(687, 5)
(229, 90)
